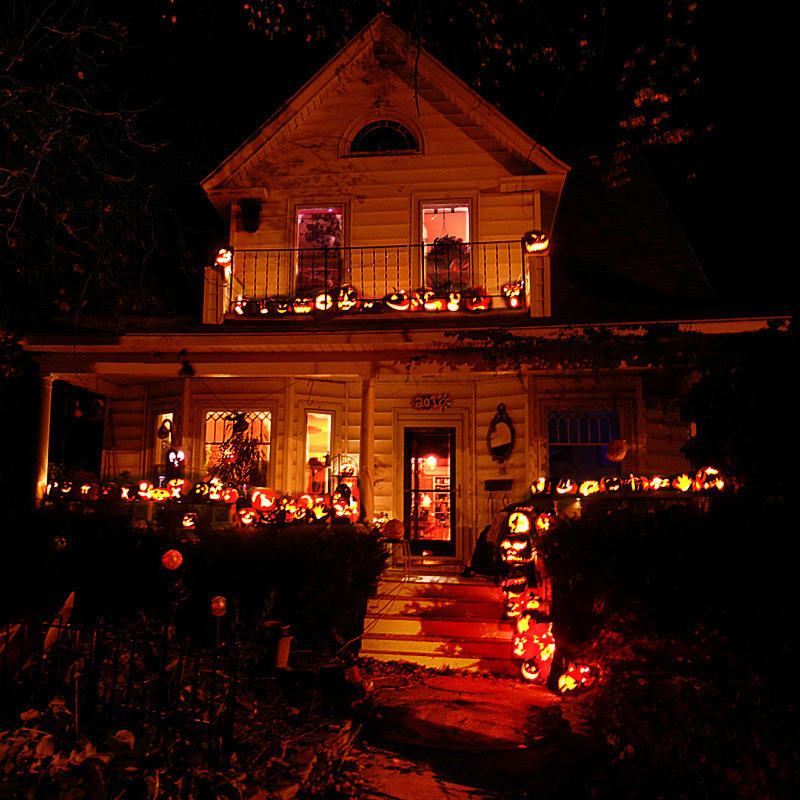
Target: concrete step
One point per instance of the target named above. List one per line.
(455, 628)
(440, 620)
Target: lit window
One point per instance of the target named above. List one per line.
(318, 447)
(445, 234)
(219, 429)
(384, 136)
(319, 241)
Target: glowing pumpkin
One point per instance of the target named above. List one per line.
(513, 294)
(177, 488)
(229, 495)
(248, 517)
(112, 492)
(371, 306)
(611, 484)
(530, 669)
(683, 483)
(219, 606)
(347, 298)
(144, 490)
(514, 585)
(589, 487)
(709, 478)
(282, 307)
(127, 492)
(566, 486)
(420, 297)
(536, 242)
(159, 494)
(172, 559)
(323, 302)
(454, 301)
(263, 306)
(264, 499)
(540, 486)
(398, 300)
(303, 305)
(189, 521)
(658, 482)
(476, 299)
(516, 549)
(215, 489)
(434, 303)
(543, 523)
(223, 258)
(519, 522)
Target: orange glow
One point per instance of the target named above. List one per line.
(219, 606)
(264, 499)
(566, 486)
(189, 521)
(589, 487)
(145, 488)
(536, 242)
(248, 517)
(513, 294)
(172, 559)
(323, 302)
(519, 522)
(159, 495)
(683, 483)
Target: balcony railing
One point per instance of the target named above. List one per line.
(434, 277)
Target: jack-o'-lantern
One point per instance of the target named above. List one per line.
(454, 301)
(589, 487)
(305, 501)
(189, 521)
(420, 296)
(224, 257)
(89, 491)
(709, 478)
(573, 678)
(229, 494)
(636, 484)
(247, 517)
(611, 483)
(566, 486)
(476, 299)
(536, 243)
(323, 302)
(434, 303)
(263, 307)
(172, 559)
(219, 606)
(112, 492)
(347, 298)
(657, 482)
(529, 669)
(543, 522)
(514, 294)
(159, 494)
(321, 509)
(282, 307)
(215, 489)
(519, 523)
(127, 492)
(397, 300)
(540, 486)
(239, 305)
(264, 499)
(514, 585)
(66, 488)
(144, 489)
(683, 483)
(303, 305)
(371, 306)
(200, 491)
(177, 488)
(516, 549)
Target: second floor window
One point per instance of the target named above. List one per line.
(445, 234)
(319, 242)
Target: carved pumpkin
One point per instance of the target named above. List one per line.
(657, 482)
(247, 517)
(544, 522)
(172, 559)
(617, 450)
(454, 301)
(476, 299)
(683, 483)
(144, 490)
(371, 306)
(514, 294)
(159, 494)
(514, 585)
(566, 486)
(516, 549)
(519, 523)
(282, 307)
(536, 242)
(611, 484)
(264, 499)
(189, 521)
(224, 257)
(540, 486)
(589, 487)
(323, 302)
(397, 300)
(709, 478)
(112, 492)
(229, 494)
(219, 606)
(530, 669)
(420, 296)
(177, 488)
(303, 305)
(347, 298)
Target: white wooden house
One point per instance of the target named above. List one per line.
(385, 175)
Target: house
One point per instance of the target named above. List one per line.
(384, 206)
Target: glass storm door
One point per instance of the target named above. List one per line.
(429, 490)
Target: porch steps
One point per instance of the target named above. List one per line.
(440, 620)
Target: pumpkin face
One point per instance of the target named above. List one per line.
(536, 242)
(611, 484)
(371, 306)
(172, 559)
(264, 499)
(709, 478)
(189, 521)
(476, 299)
(397, 301)
(248, 517)
(454, 301)
(519, 523)
(347, 299)
(215, 489)
(658, 482)
(263, 306)
(224, 257)
(514, 586)
(433, 303)
(566, 486)
(513, 294)
(177, 488)
(540, 486)
(230, 494)
(420, 297)
(323, 302)
(516, 549)
(530, 669)
(303, 305)
(282, 307)
(219, 606)
(112, 492)
(589, 487)
(683, 483)
(543, 523)
(90, 491)
(159, 494)
(144, 490)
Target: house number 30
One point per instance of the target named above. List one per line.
(427, 402)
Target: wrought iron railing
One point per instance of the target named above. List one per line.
(493, 270)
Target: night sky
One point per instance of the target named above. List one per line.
(205, 82)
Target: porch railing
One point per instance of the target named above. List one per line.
(378, 271)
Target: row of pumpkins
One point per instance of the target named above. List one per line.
(706, 479)
(256, 506)
(347, 300)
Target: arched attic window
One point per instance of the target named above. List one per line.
(383, 136)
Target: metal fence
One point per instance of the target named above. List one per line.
(376, 271)
(112, 680)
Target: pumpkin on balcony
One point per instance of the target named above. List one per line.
(303, 305)
(536, 243)
(514, 294)
(476, 299)
(397, 300)
(421, 296)
(454, 300)
(323, 302)
(347, 299)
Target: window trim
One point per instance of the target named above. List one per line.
(377, 115)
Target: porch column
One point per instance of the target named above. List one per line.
(366, 450)
(43, 440)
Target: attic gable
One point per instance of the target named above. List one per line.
(390, 57)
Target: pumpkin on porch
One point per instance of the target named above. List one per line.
(172, 559)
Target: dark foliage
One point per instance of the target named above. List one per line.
(687, 612)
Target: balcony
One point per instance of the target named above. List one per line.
(447, 276)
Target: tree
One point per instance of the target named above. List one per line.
(78, 226)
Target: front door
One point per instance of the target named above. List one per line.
(429, 490)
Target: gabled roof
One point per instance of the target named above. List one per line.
(431, 80)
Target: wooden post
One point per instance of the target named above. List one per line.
(43, 444)
(366, 451)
